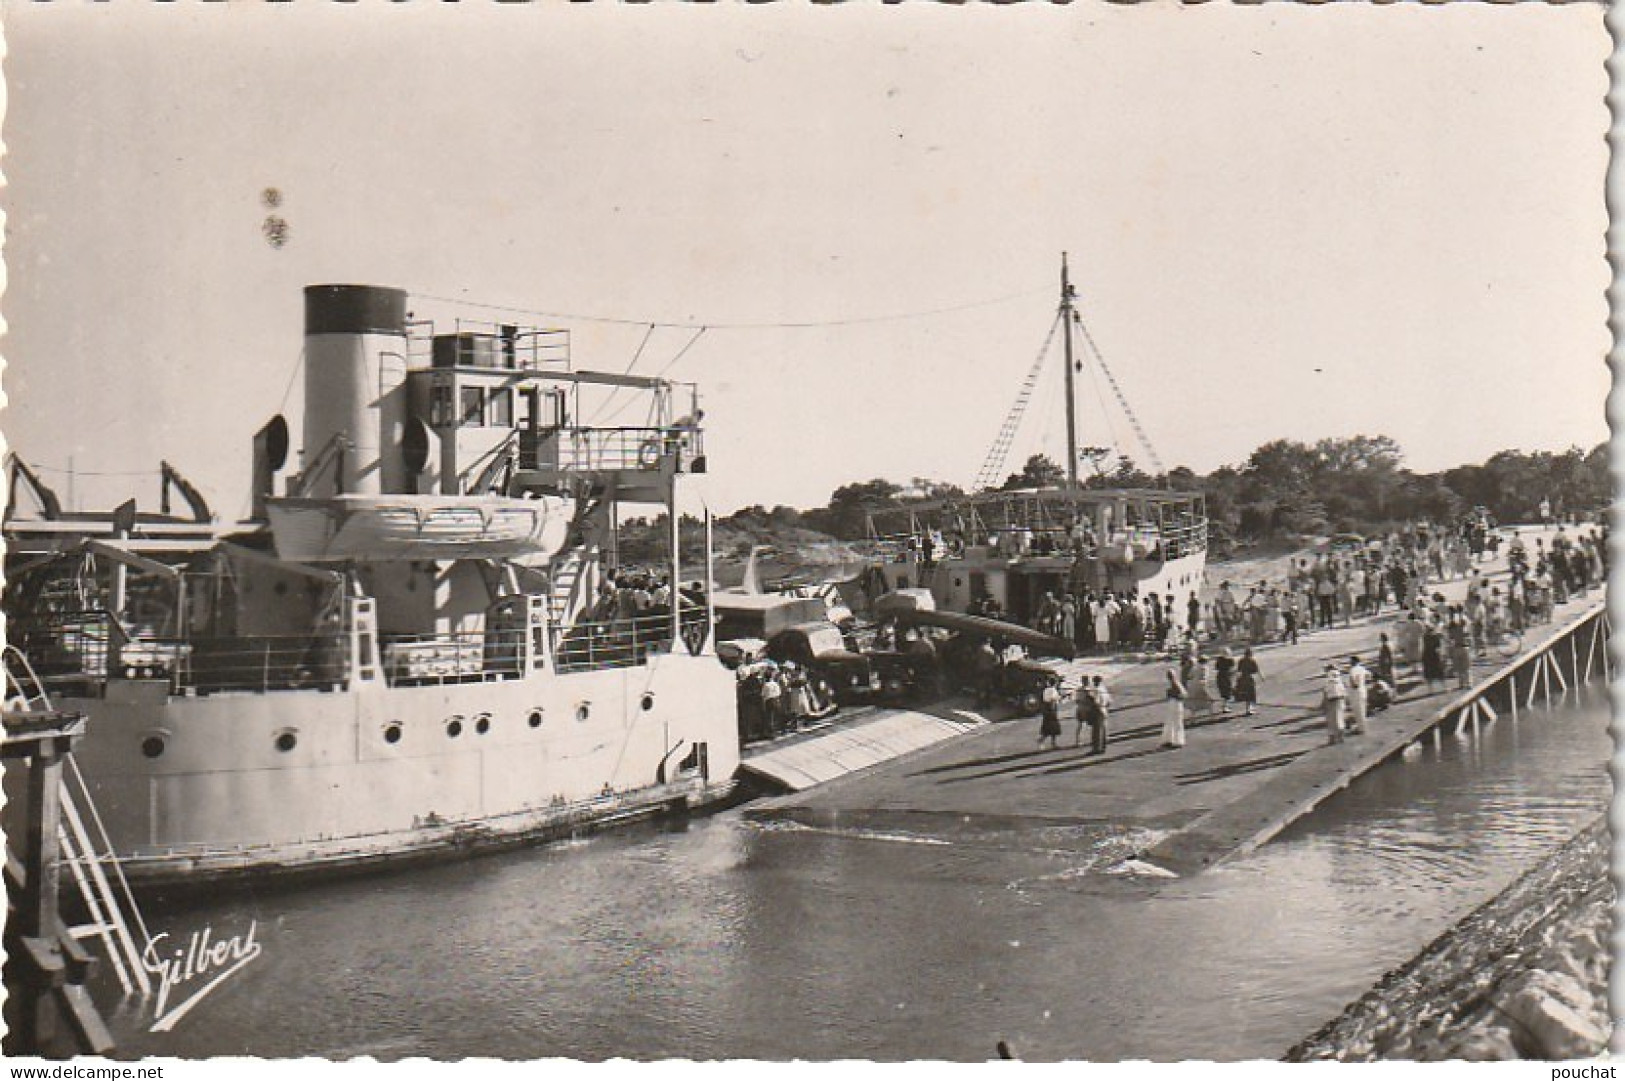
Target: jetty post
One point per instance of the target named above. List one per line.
(46, 969)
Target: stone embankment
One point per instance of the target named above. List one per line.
(1524, 976)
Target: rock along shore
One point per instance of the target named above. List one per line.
(1525, 976)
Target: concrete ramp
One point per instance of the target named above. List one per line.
(824, 756)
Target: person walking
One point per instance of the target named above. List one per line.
(1050, 706)
(1359, 685)
(798, 702)
(1224, 675)
(1102, 716)
(1103, 612)
(1345, 594)
(1087, 708)
(1433, 653)
(1247, 677)
(1199, 691)
(1385, 663)
(772, 702)
(1332, 697)
(1461, 652)
(1173, 725)
(1326, 593)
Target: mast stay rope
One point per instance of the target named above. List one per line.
(1122, 400)
(993, 465)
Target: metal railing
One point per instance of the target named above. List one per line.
(589, 449)
(485, 344)
(614, 643)
(91, 647)
(457, 657)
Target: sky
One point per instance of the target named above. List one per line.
(1282, 221)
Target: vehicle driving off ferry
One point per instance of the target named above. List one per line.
(416, 645)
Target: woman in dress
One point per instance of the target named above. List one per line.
(1385, 662)
(1433, 653)
(1173, 725)
(1224, 673)
(1333, 695)
(1247, 677)
(1050, 727)
(798, 698)
(1272, 616)
(1104, 611)
(1199, 691)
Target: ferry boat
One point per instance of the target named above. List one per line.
(1003, 551)
(415, 645)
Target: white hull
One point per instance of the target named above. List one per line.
(224, 800)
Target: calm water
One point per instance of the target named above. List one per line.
(910, 939)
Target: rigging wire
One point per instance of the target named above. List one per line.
(718, 325)
(99, 472)
(1105, 413)
(994, 463)
(1134, 421)
(698, 334)
(615, 392)
(294, 374)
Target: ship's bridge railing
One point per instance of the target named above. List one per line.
(90, 648)
(480, 343)
(594, 449)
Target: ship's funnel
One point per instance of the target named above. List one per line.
(355, 382)
(270, 455)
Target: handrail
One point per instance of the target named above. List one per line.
(612, 643)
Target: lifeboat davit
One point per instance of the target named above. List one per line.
(396, 527)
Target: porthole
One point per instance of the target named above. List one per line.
(583, 711)
(392, 732)
(454, 727)
(482, 723)
(648, 701)
(286, 741)
(535, 718)
(153, 746)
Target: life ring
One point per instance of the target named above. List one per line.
(650, 453)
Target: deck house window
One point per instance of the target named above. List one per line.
(473, 415)
(440, 414)
(501, 408)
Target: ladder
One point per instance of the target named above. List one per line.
(565, 592)
(87, 851)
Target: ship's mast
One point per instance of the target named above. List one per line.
(1071, 406)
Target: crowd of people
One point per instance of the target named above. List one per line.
(1439, 639)
(777, 698)
(631, 617)
(1106, 620)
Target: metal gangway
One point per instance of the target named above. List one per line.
(86, 851)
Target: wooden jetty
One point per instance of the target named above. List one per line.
(48, 1010)
(1240, 779)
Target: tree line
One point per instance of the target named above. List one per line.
(1284, 488)
(1351, 485)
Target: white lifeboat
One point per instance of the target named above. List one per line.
(397, 527)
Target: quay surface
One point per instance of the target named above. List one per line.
(1239, 780)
